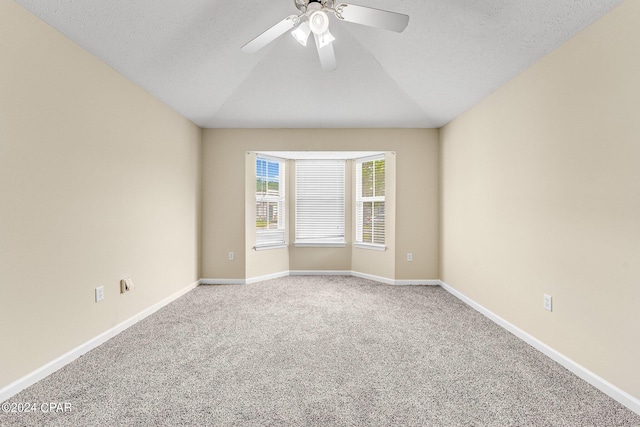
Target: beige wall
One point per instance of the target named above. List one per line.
(541, 194)
(98, 180)
(225, 160)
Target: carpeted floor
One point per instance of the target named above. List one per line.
(318, 351)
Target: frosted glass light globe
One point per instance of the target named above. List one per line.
(319, 22)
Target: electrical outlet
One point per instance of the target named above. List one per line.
(547, 302)
(99, 293)
(409, 257)
(231, 256)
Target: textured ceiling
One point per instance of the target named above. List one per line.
(187, 54)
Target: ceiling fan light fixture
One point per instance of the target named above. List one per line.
(325, 38)
(319, 22)
(314, 18)
(301, 34)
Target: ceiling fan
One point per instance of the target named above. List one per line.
(314, 19)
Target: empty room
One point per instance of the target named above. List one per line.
(318, 213)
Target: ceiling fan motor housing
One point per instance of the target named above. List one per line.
(314, 6)
(306, 5)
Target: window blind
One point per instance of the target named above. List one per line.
(320, 201)
(370, 200)
(270, 207)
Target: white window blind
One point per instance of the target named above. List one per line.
(370, 200)
(270, 214)
(320, 202)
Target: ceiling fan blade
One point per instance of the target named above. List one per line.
(372, 17)
(271, 34)
(327, 55)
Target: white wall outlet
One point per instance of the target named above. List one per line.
(99, 293)
(547, 302)
(126, 285)
(409, 257)
(231, 256)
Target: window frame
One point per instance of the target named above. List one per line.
(271, 238)
(339, 191)
(360, 200)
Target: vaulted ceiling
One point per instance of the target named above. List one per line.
(187, 54)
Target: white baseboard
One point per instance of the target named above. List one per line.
(417, 282)
(371, 277)
(223, 281)
(601, 384)
(394, 282)
(320, 273)
(243, 281)
(267, 277)
(46, 370)
(379, 279)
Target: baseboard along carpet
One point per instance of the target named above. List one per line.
(317, 351)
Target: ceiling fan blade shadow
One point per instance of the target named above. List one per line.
(271, 34)
(372, 17)
(327, 55)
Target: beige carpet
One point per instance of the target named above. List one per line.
(318, 351)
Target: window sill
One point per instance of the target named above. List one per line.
(370, 246)
(267, 247)
(320, 244)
